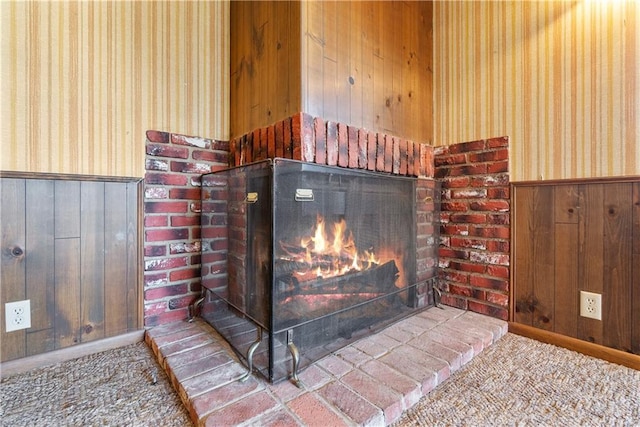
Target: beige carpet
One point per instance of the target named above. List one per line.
(516, 382)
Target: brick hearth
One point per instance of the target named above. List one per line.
(369, 383)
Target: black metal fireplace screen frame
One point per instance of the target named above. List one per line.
(247, 214)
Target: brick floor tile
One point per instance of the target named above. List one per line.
(222, 396)
(376, 392)
(314, 411)
(278, 418)
(335, 365)
(353, 406)
(243, 410)
(215, 361)
(408, 388)
(353, 355)
(194, 354)
(210, 380)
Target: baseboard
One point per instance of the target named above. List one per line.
(25, 364)
(590, 349)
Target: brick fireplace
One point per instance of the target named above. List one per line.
(474, 235)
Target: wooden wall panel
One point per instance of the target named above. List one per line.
(368, 64)
(591, 248)
(80, 261)
(561, 78)
(265, 63)
(40, 262)
(84, 81)
(617, 273)
(12, 271)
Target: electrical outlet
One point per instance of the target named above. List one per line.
(17, 315)
(591, 305)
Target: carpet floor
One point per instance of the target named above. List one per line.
(516, 382)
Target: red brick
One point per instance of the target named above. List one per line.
(455, 159)
(451, 253)
(498, 271)
(215, 232)
(498, 219)
(455, 206)
(259, 147)
(165, 317)
(159, 235)
(307, 138)
(376, 392)
(454, 301)
(489, 258)
(184, 221)
(464, 291)
(156, 165)
(466, 170)
(157, 136)
(190, 273)
(183, 247)
(395, 168)
(469, 193)
(388, 153)
(165, 291)
(362, 149)
(489, 310)
(410, 158)
(352, 137)
(185, 193)
(498, 192)
(498, 246)
(155, 279)
(332, 143)
(454, 276)
(296, 136)
(165, 207)
(498, 167)
(490, 205)
(271, 142)
(167, 151)
(457, 229)
(242, 410)
(210, 156)
(189, 167)
(498, 142)
(461, 242)
(279, 139)
(192, 141)
(314, 411)
(489, 180)
(164, 263)
(489, 156)
(343, 145)
(165, 179)
(468, 267)
(456, 182)
(155, 220)
(288, 138)
(466, 147)
(498, 299)
(153, 251)
(468, 218)
(321, 141)
(417, 160)
(492, 232)
(489, 283)
(156, 193)
(372, 150)
(352, 405)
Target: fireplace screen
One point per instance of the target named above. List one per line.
(301, 259)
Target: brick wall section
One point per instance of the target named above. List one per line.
(475, 225)
(311, 139)
(172, 252)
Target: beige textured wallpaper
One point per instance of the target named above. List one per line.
(83, 81)
(561, 79)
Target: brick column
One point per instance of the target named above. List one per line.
(475, 229)
(172, 252)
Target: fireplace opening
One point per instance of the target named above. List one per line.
(301, 259)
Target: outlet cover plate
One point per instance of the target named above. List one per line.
(17, 315)
(591, 305)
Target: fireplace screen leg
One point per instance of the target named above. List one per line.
(295, 355)
(252, 350)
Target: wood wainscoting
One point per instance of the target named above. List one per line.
(71, 246)
(572, 236)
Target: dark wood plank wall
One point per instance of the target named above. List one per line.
(72, 248)
(573, 236)
(366, 64)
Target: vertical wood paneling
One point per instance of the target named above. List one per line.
(12, 269)
(40, 263)
(560, 78)
(79, 265)
(85, 80)
(635, 292)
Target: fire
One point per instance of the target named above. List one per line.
(329, 253)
